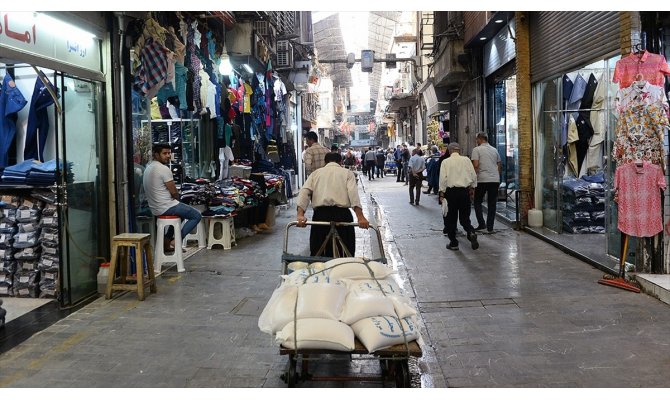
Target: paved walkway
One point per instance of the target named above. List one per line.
(515, 313)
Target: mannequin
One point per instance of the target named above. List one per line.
(226, 160)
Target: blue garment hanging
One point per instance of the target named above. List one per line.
(38, 121)
(11, 102)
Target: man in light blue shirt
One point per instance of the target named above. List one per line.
(415, 166)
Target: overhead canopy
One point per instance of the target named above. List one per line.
(435, 99)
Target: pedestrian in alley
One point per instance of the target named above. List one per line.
(416, 166)
(457, 185)
(486, 160)
(370, 163)
(314, 154)
(380, 159)
(397, 156)
(405, 156)
(432, 169)
(162, 194)
(332, 191)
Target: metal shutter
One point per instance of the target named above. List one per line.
(561, 41)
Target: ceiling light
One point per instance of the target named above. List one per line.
(482, 38)
(248, 68)
(499, 21)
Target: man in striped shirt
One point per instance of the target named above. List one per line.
(315, 154)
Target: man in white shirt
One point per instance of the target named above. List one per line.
(332, 191)
(416, 165)
(162, 194)
(486, 160)
(457, 184)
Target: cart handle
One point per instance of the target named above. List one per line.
(324, 223)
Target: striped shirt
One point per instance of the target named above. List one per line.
(315, 157)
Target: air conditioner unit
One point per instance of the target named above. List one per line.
(284, 54)
(268, 31)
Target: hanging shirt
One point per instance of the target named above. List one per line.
(153, 69)
(248, 91)
(652, 67)
(639, 198)
(11, 102)
(640, 93)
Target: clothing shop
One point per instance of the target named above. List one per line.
(53, 185)
(208, 88)
(581, 101)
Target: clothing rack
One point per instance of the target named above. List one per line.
(583, 109)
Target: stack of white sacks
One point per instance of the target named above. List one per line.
(334, 301)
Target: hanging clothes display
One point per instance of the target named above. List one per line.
(38, 121)
(11, 102)
(642, 117)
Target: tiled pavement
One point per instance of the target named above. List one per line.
(515, 313)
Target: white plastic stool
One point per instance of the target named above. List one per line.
(227, 238)
(199, 235)
(147, 225)
(160, 257)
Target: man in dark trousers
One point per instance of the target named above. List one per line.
(487, 163)
(457, 185)
(370, 163)
(381, 159)
(332, 191)
(397, 156)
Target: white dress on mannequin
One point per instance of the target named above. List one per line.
(225, 157)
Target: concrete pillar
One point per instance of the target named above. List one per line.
(523, 93)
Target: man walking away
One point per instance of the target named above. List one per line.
(416, 166)
(314, 154)
(381, 159)
(397, 156)
(457, 184)
(405, 159)
(370, 162)
(332, 192)
(486, 160)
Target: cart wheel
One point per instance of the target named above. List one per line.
(384, 365)
(291, 375)
(402, 374)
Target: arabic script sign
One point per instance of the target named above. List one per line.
(45, 36)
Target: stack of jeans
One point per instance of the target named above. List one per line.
(49, 261)
(8, 228)
(17, 174)
(27, 243)
(42, 174)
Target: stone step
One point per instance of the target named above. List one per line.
(655, 285)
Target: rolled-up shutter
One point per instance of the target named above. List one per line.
(561, 41)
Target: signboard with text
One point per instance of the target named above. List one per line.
(42, 35)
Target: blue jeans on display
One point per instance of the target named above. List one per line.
(38, 122)
(185, 212)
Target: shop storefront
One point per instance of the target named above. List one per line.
(225, 112)
(55, 224)
(502, 115)
(574, 129)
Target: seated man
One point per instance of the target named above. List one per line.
(162, 195)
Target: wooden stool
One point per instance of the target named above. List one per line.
(123, 243)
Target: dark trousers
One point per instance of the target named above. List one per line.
(371, 165)
(399, 176)
(458, 209)
(380, 170)
(38, 122)
(414, 186)
(318, 234)
(491, 191)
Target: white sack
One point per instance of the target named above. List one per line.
(298, 277)
(316, 333)
(279, 310)
(378, 333)
(321, 300)
(363, 305)
(356, 270)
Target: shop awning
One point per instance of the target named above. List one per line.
(396, 104)
(434, 98)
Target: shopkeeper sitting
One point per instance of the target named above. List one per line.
(333, 191)
(162, 195)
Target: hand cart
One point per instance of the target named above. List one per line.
(393, 361)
